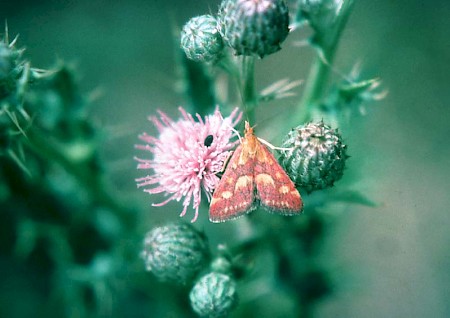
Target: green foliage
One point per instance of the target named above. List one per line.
(63, 222)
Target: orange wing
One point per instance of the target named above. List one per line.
(275, 189)
(235, 193)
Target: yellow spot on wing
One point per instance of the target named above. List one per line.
(227, 194)
(283, 189)
(242, 182)
(265, 179)
(230, 180)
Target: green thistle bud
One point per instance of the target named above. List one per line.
(175, 252)
(200, 39)
(317, 156)
(254, 26)
(214, 295)
(325, 17)
(321, 14)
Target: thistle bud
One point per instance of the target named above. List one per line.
(324, 16)
(253, 26)
(316, 158)
(200, 39)
(175, 252)
(214, 295)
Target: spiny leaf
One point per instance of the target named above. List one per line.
(279, 89)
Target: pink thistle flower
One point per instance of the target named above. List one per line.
(187, 156)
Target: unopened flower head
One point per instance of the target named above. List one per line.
(200, 39)
(322, 16)
(187, 155)
(253, 27)
(316, 158)
(175, 252)
(214, 295)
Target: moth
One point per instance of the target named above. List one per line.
(253, 178)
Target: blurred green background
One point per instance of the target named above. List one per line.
(388, 261)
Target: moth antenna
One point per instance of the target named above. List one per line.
(237, 133)
(234, 130)
(268, 144)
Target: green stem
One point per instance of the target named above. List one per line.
(249, 96)
(316, 84)
(228, 65)
(244, 78)
(314, 90)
